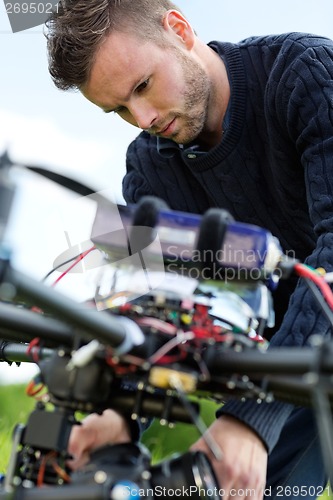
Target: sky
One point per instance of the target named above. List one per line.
(42, 125)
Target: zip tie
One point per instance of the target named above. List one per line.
(84, 355)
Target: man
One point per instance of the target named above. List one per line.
(247, 127)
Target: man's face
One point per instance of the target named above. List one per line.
(161, 90)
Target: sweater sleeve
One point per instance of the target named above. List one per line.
(302, 93)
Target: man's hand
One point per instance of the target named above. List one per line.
(243, 465)
(95, 431)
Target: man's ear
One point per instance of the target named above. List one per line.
(175, 23)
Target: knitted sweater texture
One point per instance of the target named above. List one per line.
(273, 168)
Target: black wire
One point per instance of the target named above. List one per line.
(63, 264)
(62, 180)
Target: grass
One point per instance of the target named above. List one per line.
(15, 407)
(161, 441)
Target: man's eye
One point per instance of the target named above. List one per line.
(142, 86)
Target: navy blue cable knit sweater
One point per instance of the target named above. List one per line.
(273, 168)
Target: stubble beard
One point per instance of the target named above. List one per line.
(193, 117)
(196, 102)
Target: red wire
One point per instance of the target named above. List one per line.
(33, 389)
(31, 349)
(61, 472)
(41, 472)
(306, 272)
(42, 469)
(76, 261)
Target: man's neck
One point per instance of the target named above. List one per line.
(209, 140)
(219, 100)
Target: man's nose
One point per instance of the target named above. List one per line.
(144, 114)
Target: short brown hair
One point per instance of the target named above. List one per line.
(77, 28)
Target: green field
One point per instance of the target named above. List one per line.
(15, 406)
(162, 441)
